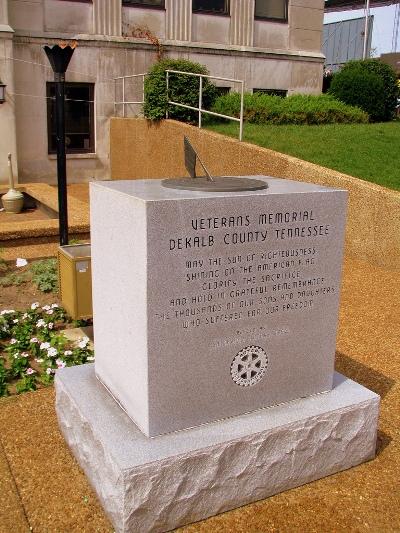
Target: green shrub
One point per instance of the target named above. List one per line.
(3, 378)
(297, 109)
(13, 278)
(390, 92)
(182, 89)
(45, 275)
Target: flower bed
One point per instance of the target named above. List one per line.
(32, 347)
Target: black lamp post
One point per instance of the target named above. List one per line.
(2, 92)
(59, 57)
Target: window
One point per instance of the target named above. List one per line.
(79, 118)
(273, 92)
(159, 4)
(222, 90)
(216, 7)
(271, 9)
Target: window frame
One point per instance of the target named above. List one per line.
(139, 4)
(274, 19)
(92, 119)
(210, 12)
(282, 93)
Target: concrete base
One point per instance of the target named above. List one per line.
(157, 484)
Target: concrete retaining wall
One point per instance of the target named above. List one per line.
(141, 149)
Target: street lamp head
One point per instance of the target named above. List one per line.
(59, 56)
(2, 92)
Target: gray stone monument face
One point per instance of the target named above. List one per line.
(210, 305)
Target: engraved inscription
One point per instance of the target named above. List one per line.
(221, 285)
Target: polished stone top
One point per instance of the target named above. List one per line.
(151, 190)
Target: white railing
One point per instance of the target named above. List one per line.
(124, 102)
(200, 109)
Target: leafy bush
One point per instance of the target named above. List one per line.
(297, 109)
(182, 89)
(45, 275)
(386, 101)
(3, 379)
(13, 278)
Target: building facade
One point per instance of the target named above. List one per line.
(273, 45)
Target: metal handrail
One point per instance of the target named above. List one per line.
(200, 109)
(124, 102)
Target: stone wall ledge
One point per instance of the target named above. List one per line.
(170, 46)
(373, 221)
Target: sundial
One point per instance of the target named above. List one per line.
(209, 183)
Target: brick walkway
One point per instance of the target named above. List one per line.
(42, 487)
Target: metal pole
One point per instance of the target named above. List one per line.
(166, 111)
(115, 97)
(59, 57)
(123, 97)
(200, 98)
(61, 157)
(366, 29)
(241, 112)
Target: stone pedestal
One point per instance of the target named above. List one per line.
(157, 484)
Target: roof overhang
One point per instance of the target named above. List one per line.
(348, 5)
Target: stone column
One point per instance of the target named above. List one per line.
(242, 22)
(8, 140)
(107, 17)
(178, 20)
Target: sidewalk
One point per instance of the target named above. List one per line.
(42, 487)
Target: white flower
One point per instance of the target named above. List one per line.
(49, 371)
(7, 311)
(68, 352)
(24, 354)
(50, 325)
(20, 262)
(39, 360)
(41, 323)
(50, 312)
(60, 363)
(30, 371)
(83, 342)
(34, 340)
(13, 341)
(52, 352)
(35, 305)
(16, 355)
(15, 321)
(25, 316)
(45, 346)
(54, 306)
(46, 307)
(90, 358)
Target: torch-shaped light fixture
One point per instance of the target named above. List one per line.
(59, 56)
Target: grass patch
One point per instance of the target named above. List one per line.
(367, 151)
(43, 274)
